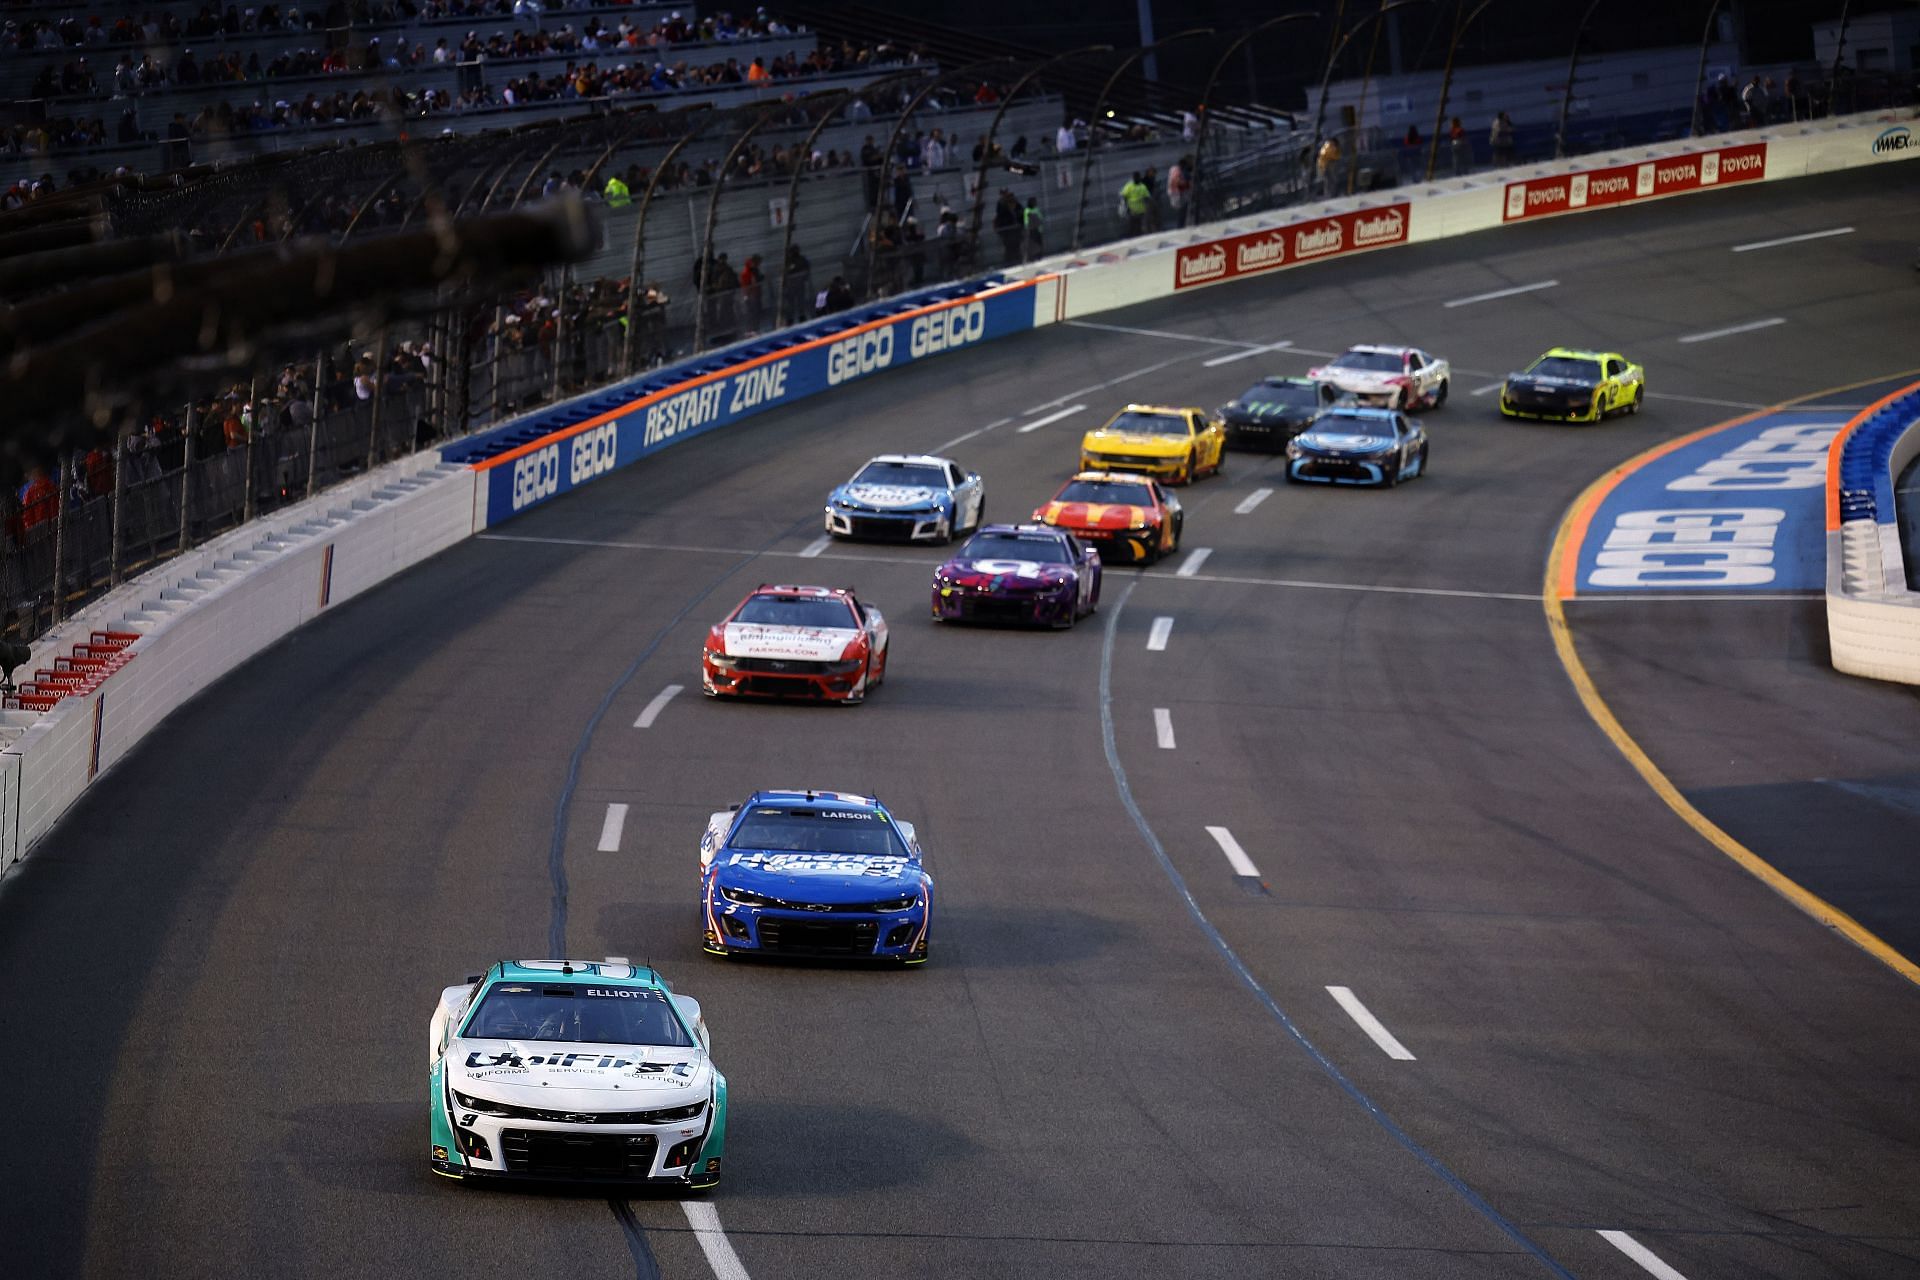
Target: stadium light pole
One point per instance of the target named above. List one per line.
(706, 116)
(766, 116)
(1206, 95)
(1100, 106)
(1339, 46)
(1573, 66)
(1700, 76)
(1460, 26)
(986, 148)
(804, 156)
(969, 71)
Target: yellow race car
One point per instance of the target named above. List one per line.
(1566, 385)
(1175, 445)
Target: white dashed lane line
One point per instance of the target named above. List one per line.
(654, 708)
(1370, 1024)
(1252, 500)
(610, 830)
(1491, 386)
(1503, 293)
(1053, 417)
(705, 1221)
(1728, 332)
(1158, 633)
(1191, 565)
(1236, 856)
(1163, 728)
(1774, 244)
(1649, 1261)
(1232, 356)
(815, 547)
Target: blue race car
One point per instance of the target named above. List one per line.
(813, 873)
(900, 497)
(1358, 446)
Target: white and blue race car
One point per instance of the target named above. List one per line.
(574, 1070)
(904, 497)
(1346, 445)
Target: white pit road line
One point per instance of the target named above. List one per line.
(654, 708)
(1055, 416)
(1158, 633)
(1163, 728)
(1191, 565)
(1504, 293)
(705, 1221)
(1230, 357)
(1236, 856)
(1370, 1024)
(1749, 327)
(815, 547)
(1252, 500)
(1774, 244)
(610, 829)
(1649, 1261)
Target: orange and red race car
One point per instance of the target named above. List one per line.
(797, 642)
(1126, 518)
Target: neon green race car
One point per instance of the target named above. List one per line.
(1567, 385)
(574, 1071)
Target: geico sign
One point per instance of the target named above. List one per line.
(592, 452)
(863, 353)
(536, 476)
(954, 327)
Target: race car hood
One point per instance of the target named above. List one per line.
(890, 497)
(1360, 381)
(810, 644)
(565, 1076)
(1007, 577)
(1136, 442)
(1096, 515)
(825, 878)
(1343, 441)
(1265, 411)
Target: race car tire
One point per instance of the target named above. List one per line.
(1440, 396)
(1185, 474)
(1423, 459)
(1633, 405)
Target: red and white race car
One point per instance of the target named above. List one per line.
(1403, 378)
(797, 642)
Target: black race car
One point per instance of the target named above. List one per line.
(1273, 411)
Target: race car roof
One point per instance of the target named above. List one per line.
(1577, 353)
(1159, 408)
(1380, 349)
(777, 589)
(795, 799)
(550, 972)
(1031, 530)
(924, 459)
(1356, 411)
(1116, 477)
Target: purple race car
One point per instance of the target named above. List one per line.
(1018, 573)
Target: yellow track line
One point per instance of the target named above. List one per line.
(1749, 861)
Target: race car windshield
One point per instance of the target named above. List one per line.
(584, 1013)
(1565, 367)
(1371, 362)
(1150, 424)
(1285, 394)
(854, 831)
(797, 611)
(1341, 424)
(1113, 491)
(1015, 546)
(901, 473)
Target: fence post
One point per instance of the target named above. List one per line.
(61, 485)
(313, 427)
(119, 494)
(493, 365)
(253, 430)
(186, 477)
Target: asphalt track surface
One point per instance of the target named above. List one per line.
(218, 970)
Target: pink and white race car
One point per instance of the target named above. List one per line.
(1403, 378)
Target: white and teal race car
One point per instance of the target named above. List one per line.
(574, 1070)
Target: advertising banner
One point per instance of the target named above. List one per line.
(1291, 245)
(1623, 184)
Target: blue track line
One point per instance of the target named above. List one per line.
(1474, 1199)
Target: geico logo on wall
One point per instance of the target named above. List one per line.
(1898, 138)
(1257, 251)
(536, 476)
(1621, 184)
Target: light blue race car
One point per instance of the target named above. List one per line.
(904, 497)
(1358, 446)
(574, 1071)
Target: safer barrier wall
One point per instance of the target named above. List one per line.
(206, 612)
(1873, 618)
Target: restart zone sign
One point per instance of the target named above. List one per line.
(1740, 509)
(576, 455)
(1626, 183)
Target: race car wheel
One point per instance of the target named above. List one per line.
(1440, 396)
(1185, 474)
(1423, 459)
(1633, 405)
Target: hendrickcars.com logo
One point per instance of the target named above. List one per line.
(1898, 138)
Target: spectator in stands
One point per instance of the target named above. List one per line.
(933, 152)
(1180, 188)
(1135, 200)
(1150, 179)
(1326, 166)
(837, 296)
(617, 194)
(1500, 140)
(1006, 225)
(1461, 147)
(1033, 222)
(796, 282)
(913, 246)
(753, 300)
(1064, 140)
